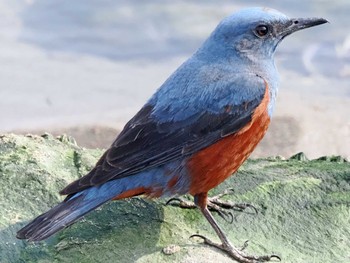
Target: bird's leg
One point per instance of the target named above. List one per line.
(215, 204)
(226, 246)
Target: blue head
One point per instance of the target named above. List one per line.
(254, 33)
(243, 42)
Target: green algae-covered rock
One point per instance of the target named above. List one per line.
(303, 211)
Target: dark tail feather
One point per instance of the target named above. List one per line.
(77, 205)
(60, 216)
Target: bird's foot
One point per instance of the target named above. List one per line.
(177, 201)
(237, 254)
(215, 204)
(219, 206)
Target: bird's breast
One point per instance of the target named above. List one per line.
(212, 165)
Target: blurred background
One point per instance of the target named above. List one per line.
(84, 67)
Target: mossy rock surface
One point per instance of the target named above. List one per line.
(304, 210)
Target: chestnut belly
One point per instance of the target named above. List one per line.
(212, 165)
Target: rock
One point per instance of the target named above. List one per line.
(171, 249)
(299, 157)
(303, 211)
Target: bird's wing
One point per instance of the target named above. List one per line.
(154, 136)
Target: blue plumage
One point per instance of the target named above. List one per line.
(223, 95)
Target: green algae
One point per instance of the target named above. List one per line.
(304, 210)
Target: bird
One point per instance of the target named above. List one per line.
(196, 130)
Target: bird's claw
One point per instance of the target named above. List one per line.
(172, 200)
(181, 203)
(228, 205)
(209, 242)
(220, 206)
(243, 206)
(237, 254)
(227, 216)
(215, 204)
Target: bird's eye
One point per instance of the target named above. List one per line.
(261, 30)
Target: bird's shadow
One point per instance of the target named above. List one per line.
(128, 229)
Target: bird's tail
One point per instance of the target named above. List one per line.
(68, 212)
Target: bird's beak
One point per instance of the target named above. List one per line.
(297, 24)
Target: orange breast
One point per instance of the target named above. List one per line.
(214, 164)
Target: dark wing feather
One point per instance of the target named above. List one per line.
(145, 143)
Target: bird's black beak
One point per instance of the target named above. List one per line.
(297, 24)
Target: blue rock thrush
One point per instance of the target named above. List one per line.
(195, 131)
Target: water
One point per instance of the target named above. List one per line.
(66, 63)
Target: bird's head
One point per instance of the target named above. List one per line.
(255, 33)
